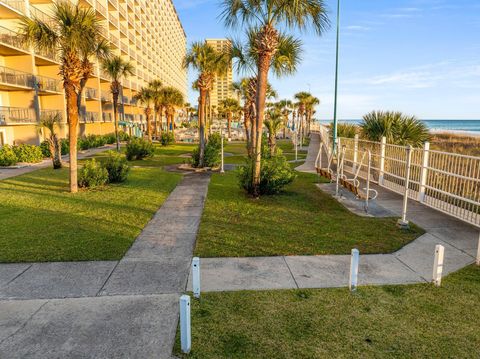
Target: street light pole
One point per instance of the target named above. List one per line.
(336, 81)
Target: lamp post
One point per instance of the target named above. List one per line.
(336, 81)
(222, 170)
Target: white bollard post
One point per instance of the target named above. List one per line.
(438, 265)
(354, 262)
(403, 223)
(185, 325)
(296, 146)
(196, 277)
(478, 252)
(355, 153)
(222, 170)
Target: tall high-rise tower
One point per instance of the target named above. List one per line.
(222, 87)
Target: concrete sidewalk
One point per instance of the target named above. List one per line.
(109, 309)
(411, 264)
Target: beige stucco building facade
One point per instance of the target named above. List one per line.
(146, 32)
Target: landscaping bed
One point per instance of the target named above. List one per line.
(420, 321)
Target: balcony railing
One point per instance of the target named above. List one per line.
(48, 54)
(113, 20)
(40, 15)
(11, 38)
(101, 9)
(17, 5)
(89, 116)
(105, 96)
(123, 12)
(48, 84)
(114, 40)
(91, 93)
(16, 78)
(107, 117)
(114, 3)
(47, 113)
(124, 47)
(124, 30)
(16, 115)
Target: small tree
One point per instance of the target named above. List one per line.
(229, 107)
(273, 123)
(145, 96)
(156, 88)
(49, 122)
(117, 68)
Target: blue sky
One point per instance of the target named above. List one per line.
(421, 57)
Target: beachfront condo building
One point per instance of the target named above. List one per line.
(222, 86)
(146, 32)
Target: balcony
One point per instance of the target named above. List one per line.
(123, 12)
(89, 117)
(112, 4)
(40, 15)
(48, 113)
(107, 117)
(11, 9)
(91, 94)
(16, 115)
(48, 86)
(114, 40)
(101, 9)
(123, 31)
(10, 43)
(12, 80)
(113, 21)
(45, 57)
(124, 47)
(105, 96)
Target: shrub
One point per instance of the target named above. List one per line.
(45, 147)
(92, 175)
(65, 146)
(139, 148)
(212, 156)
(167, 138)
(275, 174)
(28, 153)
(110, 138)
(117, 167)
(7, 156)
(123, 136)
(398, 128)
(347, 130)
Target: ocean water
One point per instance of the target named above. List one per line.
(464, 126)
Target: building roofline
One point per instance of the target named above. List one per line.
(178, 18)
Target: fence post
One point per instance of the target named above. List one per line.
(382, 161)
(196, 277)
(424, 172)
(354, 261)
(185, 325)
(478, 252)
(403, 223)
(438, 265)
(355, 152)
(222, 170)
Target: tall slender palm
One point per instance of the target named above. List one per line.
(51, 122)
(285, 107)
(69, 33)
(273, 123)
(310, 105)
(172, 98)
(302, 98)
(229, 107)
(156, 87)
(267, 16)
(117, 68)
(145, 97)
(208, 62)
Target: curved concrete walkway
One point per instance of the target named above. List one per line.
(411, 264)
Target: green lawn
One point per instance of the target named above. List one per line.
(415, 321)
(41, 221)
(301, 221)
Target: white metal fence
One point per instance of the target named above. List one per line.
(445, 181)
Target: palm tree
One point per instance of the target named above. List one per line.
(273, 123)
(310, 105)
(145, 96)
(208, 62)
(229, 107)
(302, 98)
(171, 98)
(50, 122)
(70, 32)
(285, 107)
(266, 49)
(117, 68)
(156, 87)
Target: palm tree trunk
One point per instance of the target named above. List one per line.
(229, 124)
(201, 127)
(71, 98)
(271, 143)
(149, 130)
(263, 67)
(155, 131)
(57, 157)
(115, 120)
